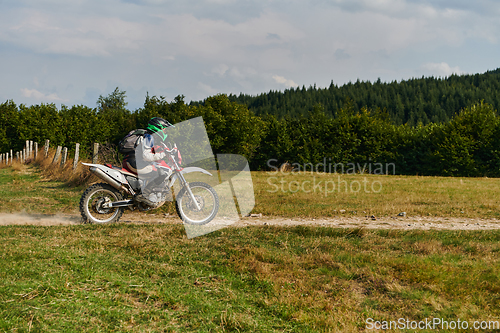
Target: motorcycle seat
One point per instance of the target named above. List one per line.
(122, 170)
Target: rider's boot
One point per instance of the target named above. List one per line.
(156, 190)
(144, 198)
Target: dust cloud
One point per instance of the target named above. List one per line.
(37, 219)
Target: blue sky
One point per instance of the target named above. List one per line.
(70, 52)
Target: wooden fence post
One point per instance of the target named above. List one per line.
(56, 156)
(23, 158)
(17, 155)
(46, 148)
(96, 150)
(64, 156)
(11, 156)
(36, 150)
(77, 153)
(31, 149)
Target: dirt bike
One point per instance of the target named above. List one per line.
(196, 202)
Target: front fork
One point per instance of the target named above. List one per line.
(185, 184)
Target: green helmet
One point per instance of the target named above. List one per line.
(157, 125)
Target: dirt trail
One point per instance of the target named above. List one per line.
(405, 223)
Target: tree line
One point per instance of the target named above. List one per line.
(419, 100)
(466, 145)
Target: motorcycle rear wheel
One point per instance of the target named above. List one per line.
(207, 199)
(92, 200)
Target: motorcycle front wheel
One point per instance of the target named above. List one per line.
(92, 204)
(207, 200)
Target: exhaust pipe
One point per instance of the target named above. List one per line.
(99, 173)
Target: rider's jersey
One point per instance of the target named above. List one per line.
(143, 155)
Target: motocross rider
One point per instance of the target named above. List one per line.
(150, 153)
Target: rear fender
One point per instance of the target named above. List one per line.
(116, 175)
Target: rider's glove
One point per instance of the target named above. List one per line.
(158, 149)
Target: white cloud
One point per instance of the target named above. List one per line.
(235, 46)
(440, 69)
(36, 95)
(283, 81)
(45, 32)
(207, 89)
(220, 70)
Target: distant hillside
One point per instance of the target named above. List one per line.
(412, 101)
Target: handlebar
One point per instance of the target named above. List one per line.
(171, 151)
(174, 153)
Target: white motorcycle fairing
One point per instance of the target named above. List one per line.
(115, 174)
(188, 170)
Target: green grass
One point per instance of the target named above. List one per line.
(294, 195)
(26, 190)
(151, 278)
(415, 195)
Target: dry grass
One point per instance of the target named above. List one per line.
(15, 165)
(294, 195)
(125, 277)
(304, 195)
(151, 278)
(72, 177)
(38, 186)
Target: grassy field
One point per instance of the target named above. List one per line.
(294, 195)
(151, 278)
(25, 190)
